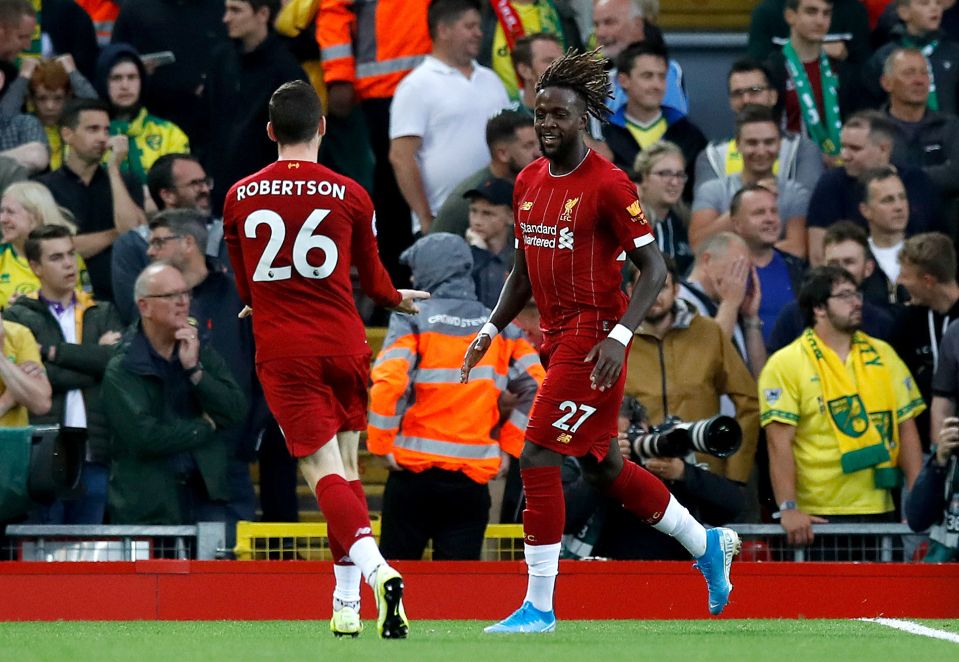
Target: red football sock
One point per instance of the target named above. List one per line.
(342, 556)
(545, 513)
(346, 519)
(357, 487)
(640, 492)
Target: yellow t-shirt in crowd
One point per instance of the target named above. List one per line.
(19, 346)
(790, 393)
(16, 277)
(647, 135)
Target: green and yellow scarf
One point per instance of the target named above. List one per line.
(862, 414)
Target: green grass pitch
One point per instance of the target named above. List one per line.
(464, 641)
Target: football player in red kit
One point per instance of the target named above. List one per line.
(293, 230)
(576, 216)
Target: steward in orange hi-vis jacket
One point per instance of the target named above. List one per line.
(438, 432)
(371, 43)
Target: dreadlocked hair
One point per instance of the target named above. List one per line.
(584, 74)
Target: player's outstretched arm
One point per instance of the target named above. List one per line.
(408, 303)
(610, 353)
(515, 295)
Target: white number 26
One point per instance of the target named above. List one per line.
(305, 242)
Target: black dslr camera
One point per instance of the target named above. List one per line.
(720, 436)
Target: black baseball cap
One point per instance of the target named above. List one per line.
(494, 190)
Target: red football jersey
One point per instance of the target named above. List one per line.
(573, 230)
(293, 230)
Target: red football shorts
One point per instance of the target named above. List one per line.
(314, 397)
(569, 416)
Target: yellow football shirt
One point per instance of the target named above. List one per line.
(16, 277)
(790, 393)
(19, 346)
(647, 135)
(536, 17)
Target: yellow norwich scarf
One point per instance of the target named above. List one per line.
(862, 414)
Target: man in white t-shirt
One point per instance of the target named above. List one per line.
(886, 209)
(439, 113)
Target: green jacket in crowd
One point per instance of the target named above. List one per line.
(145, 397)
(74, 365)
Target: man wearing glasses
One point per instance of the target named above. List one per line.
(178, 237)
(838, 407)
(175, 181)
(168, 396)
(799, 158)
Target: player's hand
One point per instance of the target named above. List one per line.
(666, 468)
(948, 440)
(189, 352)
(408, 305)
(119, 147)
(609, 355)
(798, 526)
(246, 312)
(474, 354)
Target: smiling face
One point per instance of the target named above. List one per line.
(663, 184)
(15, 221)
(757, 219)
(617, 25)
(758, 142)
(645, 83)
(559, 120)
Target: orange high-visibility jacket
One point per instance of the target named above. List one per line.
(424, 416)
(372, 44)
(104, 14)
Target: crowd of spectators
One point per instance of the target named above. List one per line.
(812, 241)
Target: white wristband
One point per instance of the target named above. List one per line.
(621, 334)
(489, 329)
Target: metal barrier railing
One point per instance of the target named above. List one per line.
(35, 542)
(307, 541)
(761, 542)
(832, 542)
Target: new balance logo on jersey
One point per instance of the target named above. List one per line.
(566, 238)
(568, 210)
(526, 206)
(291, 165)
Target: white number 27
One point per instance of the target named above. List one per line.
(571, 408)
(305, 242)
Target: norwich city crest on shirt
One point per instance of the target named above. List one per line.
(849, 415)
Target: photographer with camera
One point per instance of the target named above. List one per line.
(697, 364)
(933, 502)
(838, 409)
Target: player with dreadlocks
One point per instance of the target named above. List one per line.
(576, 216)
